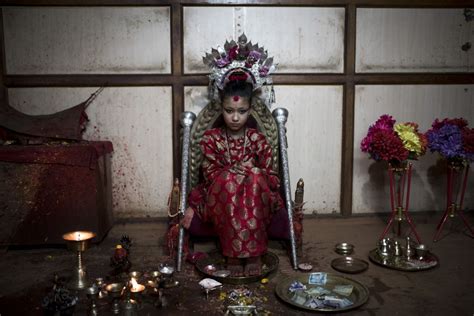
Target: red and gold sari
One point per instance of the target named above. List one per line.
(239, 192)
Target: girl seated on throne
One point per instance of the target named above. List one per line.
(239, 191)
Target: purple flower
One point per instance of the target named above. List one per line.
(222, 62)
(447, 140)
(263, 71)
(253, 57)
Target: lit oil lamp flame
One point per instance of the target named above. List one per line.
(135, 286)
(78, 236)
(134, 283)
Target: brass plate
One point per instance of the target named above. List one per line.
(359, 295)
(401, 263)
(269, 264)
(349, 265)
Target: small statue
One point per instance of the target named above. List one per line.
(172, 234)
(59, 301)
(126, 243)
(298, 213)
(120, 259)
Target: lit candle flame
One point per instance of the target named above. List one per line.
(134, 283)
(78, 236)
(135, 286)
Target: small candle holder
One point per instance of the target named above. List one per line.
(92, 294)
(167, 276)
(79, 241)
(99, 282)
(135, 275)
(132, 298)
(115, 291)
(153, 284)
(153, 281)
(136, 290)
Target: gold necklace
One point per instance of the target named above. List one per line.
(228, 147)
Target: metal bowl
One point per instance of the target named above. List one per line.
(421, 251)
(359, 295)
(166, 270)
(269, 264)
(344, 248)
(155, 274)
(115, 289)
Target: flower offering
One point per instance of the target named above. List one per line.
(387, 141)
(452, 139)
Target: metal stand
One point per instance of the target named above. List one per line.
(281, 116)
(452, 206)
(400, 194)
(187, 120)
(79, 242)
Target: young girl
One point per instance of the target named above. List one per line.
(240, 190)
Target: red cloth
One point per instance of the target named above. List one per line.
(67, 124)
(83, 154)
(239, 193)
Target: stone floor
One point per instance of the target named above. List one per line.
(27, 274)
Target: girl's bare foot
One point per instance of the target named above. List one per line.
(253, 266)
(235, 266)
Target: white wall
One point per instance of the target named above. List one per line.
(413, 40)
(82, 40)
(294, 36)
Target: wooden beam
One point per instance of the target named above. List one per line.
(202, 79)
(88, 80)
(415, 78)
(178, 88)
(357, 3)
(3, 88)
(347, 159)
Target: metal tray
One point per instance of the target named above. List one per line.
(349, 265)
(269, 264)
(359, 295)
(401, 263)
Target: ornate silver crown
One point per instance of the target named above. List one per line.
(240, 59)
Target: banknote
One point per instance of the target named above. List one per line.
(319, 278)
(345, 290)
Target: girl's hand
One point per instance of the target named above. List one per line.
(243, 167)
(187, 218)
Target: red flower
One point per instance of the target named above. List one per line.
(238, 76)
(459, 122)
(387, 146)
(233, 53)
(468, 139)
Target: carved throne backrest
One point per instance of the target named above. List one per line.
(207, 119)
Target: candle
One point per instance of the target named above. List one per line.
(136, 288)
(78, 236)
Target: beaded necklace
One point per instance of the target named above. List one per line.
(228, 147)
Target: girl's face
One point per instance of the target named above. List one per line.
(236, 111)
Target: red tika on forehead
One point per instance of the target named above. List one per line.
(236, 98)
